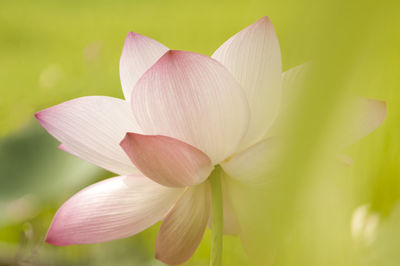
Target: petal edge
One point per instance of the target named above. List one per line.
(168, 161)
(111, 209)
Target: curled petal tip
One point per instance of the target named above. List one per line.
(179, 54)
(52, 239)
(53, 234)
(63, 147)
(263, 23)
(366, 116)
(132, 35)
(49, 240)
(264, 19)
(41, 117)
(380, 109)
(139, 53)
(131, 38)
(38, 115)
(172, 54)
(127, 135)
(384, 108)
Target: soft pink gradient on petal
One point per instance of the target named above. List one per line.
(92, 128)
(183, 228)
(193, 98)
(111, 209)
(138, 55)
(254, 58)
(64, 147)
(168, 161)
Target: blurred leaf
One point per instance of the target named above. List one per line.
(34, 170)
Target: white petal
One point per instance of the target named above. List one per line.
(256, 164)
(183, 228)
(92, 128)
(363, 117)
(138, 55)
(193, 98)
(231, 223)
(253, 56)
(292, 80)
(111, 209)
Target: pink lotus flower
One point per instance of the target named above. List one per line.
(183, 114)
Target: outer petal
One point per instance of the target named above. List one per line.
(256, 164)
(253, 56)
(193, 98)
(231, 224)
(366, 115)
(292, 80)
(138, 55)
(114, 208)
(168, 161)
(91, 128)
(183, 228)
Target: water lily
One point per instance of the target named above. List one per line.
(186, 120)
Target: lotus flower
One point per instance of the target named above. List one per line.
(184, 113)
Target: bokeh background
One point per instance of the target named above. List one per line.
(53, 51)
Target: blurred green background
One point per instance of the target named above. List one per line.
(53, 51)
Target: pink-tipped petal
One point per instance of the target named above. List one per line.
(254, 58)
(64, 147)
(366, 116)
(193, 98)
(183, 228)
(168, 161)
(256, 164)
(138, 55)
(92, 128)
(111, 209)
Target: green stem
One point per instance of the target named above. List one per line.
(217, 217)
